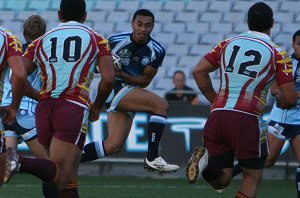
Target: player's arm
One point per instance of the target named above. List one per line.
(141, 81)
(29, 90)
(18, 79)
(286, 95)
(105, 86)
(202, 78)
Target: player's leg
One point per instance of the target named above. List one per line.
(218, 170)
(12, 139)
(3, 156)
(275, 146)
(67, 156)
(295, 143)
(37, 149)
(141, 100)
(119, 125)
(250, 182)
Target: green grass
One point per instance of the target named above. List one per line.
(23, 186)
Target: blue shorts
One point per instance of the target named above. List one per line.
(283, 131)
(119, 91)
(24, 126)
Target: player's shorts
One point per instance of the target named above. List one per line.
(283, 131)
(62, 119)
(119, 91)
(239, 134)
(24, 126)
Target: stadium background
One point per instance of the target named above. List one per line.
(187, 29)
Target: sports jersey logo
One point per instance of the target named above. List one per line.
(145, 61)
(125, 53)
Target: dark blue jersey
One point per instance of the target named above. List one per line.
(135, 57)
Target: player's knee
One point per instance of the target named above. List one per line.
(270, 162)
(162, 108)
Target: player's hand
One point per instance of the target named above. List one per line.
(279, 99)
(8, 114)
(119, 73)
(94, 113)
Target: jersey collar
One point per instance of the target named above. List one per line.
(260, 34)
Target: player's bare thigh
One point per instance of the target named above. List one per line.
(275, 146)
(38, 150)
(11, 142)
(296, 147)
(142, 100)
(67, 156)
(119, 125)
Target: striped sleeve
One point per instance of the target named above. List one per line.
(29, 53)
(284, 67)
(103, 46)
(214, 55)
(14, 46)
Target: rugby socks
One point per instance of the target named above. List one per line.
(44, 169)
(212, 172)
(70, 191)
(93, 151)
(236, 170)
(49, 191)
(298, 181)
(240, 195)
(155, 129)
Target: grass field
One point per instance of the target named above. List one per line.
(26, 186)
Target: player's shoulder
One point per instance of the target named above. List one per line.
(157, 45)
(119, 37)
(6, 32)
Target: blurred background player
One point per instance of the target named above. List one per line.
(24, 127)
(249, 63)
(66, 75)
(141, 55)
(284, 124)
(11, 56)
(181, 92)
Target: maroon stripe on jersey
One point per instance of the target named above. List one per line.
(77, 90)
(43, 68)
(255, 103)
(240, 102)
(84, 72)
(3, 62)
(222, 97)
(76, 65)
(261, 86)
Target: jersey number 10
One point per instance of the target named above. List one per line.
(67, 56)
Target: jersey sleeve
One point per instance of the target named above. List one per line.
(214, 55)
(103, 46)
(160, 55)
(14, 46)
(284, 67)
(29, 53)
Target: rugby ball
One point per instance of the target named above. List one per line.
(117, 61)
